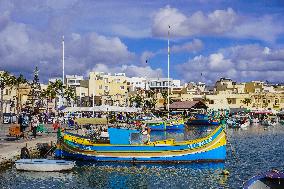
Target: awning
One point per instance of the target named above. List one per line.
(103, 108)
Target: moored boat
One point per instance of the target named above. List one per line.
(122, 149)
(177, 124)
(268, 180)
(44, 165)
(202, 119)
(156, 125)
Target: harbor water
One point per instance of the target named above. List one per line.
(249, 152)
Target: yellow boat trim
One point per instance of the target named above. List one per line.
(219, 142)
(89, 142)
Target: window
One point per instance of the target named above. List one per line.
(106, 88)
(106, 80)
(7, 92)
(121, 87)
(100, 87)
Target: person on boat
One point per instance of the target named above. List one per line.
(25, 154)
(146, 134)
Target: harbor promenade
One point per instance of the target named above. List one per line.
(10, 147)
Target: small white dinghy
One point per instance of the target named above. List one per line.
(44, 165)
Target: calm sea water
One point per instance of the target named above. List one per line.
(250, 152)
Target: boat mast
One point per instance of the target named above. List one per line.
(63, 59)
(168, 72)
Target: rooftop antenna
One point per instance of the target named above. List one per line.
(169, 72)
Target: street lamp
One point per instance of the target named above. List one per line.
(1, 103)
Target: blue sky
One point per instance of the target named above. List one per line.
(240, 39)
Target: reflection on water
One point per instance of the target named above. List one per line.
(249, 152)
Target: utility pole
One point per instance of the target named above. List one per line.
(63, 60)
(168, 73)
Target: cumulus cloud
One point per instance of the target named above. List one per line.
(23, 47)
(146, 55)
(219, 22)
(129, 70)
(241, 63)
(194, 46)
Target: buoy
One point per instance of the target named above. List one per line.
(225, 172)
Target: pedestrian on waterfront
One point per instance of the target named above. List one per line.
(20, 122)
(34, 124)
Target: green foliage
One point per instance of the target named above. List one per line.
(165, 97)
(247, 101)
(137, 100)
(6, 80)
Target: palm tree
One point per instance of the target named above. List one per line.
(5, 81)
(69, 94)
(54, 89)
(49, 94)
(247, 101)
(151, 103)
(17, 81)
(165, 97)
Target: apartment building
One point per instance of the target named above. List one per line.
(111, 88)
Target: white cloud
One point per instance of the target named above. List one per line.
(194, 46)
(146, 56)
(22, 48)
(219, 22)
(241, 63)
(130, 70)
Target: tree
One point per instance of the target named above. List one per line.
(35, 93)
(136, 100)
(165, 97)
(17, 81)
(152, 100)
(69, 94)
(49, 94)
(53, 90)
(247, 101)
(6, 80)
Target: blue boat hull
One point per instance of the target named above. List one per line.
(210, 148)
(202, 122)
(158, 127)
(161, 127)
(175, 127)
(216, 155)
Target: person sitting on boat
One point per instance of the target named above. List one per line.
(25, 154)
(146, 135)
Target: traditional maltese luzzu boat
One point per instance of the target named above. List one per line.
(121, 148)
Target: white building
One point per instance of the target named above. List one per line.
(161, 84)
(73, 80)
(135, 83)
